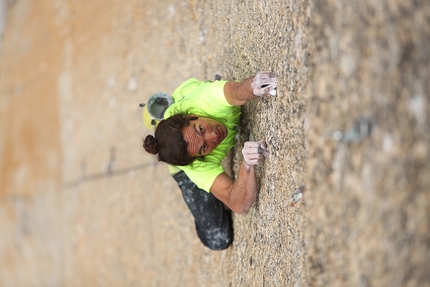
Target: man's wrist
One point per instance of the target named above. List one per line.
(247, 166)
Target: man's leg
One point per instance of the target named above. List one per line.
(213, 221)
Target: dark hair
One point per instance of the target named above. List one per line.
(169, 140)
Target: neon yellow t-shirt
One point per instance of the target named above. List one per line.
(206, 99)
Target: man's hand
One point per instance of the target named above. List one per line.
(264, 84)
(242, 193)
(254, 152)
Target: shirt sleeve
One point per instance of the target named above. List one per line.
(203, 174)
(206, 99)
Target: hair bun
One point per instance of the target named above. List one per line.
(150, 144)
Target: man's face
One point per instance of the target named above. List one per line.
(203, 135)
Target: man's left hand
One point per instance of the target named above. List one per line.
(254, 152)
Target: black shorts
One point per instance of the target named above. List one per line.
(213, 220)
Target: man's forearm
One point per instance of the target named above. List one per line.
(239, 93)
(244, 190)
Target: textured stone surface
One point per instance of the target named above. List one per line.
(81, 204)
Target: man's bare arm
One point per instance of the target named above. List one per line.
(239, 93)
(241, 194)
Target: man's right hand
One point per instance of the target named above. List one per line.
(264, 84)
